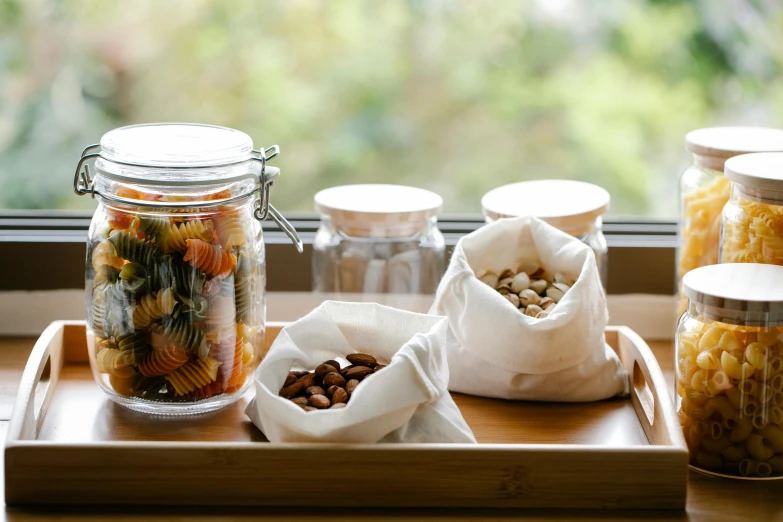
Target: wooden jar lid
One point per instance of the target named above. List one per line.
(712, 146)
(378, 210)
(571, 206)
(737, 293)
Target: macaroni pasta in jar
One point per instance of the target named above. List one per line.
(729, 370)
(175, 268)
(378, 239)
(575, 207)
(704, 190)
(752, 223)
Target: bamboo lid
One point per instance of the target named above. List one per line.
(712, 146)
(738, 293)
(762, 172)
(571, 206)
(378, 210)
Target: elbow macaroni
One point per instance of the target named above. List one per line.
(730, 396)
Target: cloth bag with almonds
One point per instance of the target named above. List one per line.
(531, 336)
(405, 401)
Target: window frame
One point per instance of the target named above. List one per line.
(45, 250)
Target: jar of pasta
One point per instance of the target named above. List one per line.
(704, 190)
(175, 264)
(752, 222)
(378, 239)
(575, 207)
(730, 370)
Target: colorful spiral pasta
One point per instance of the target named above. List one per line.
(131, 248)
(114, 362)
(186, 336)
(104, 254)
(154, 228)
(151, 307)
(230, 231)
(193, 375)
(193, 229)
(168, 296)
(163, 360)
(211, 259)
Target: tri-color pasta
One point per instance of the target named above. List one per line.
(727, 382)
(172, 314)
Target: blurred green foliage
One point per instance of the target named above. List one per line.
(455, 96)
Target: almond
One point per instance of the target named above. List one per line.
(307, 380)
(289, 380)
(315, 390)
(289, 392)
(320, 401)
(361, 359)
(300, 401)
(309, 408)
(379, 367)
(323, 369)
(334, 364)
(337, 406)
(351, 385)
(340, 395)
(333, 378)
(342, 372)
(358, 372)
(331, 389)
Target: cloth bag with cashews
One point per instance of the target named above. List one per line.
(494, 350)
(408, 401)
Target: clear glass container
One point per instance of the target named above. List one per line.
(752, 220)
(729, 362)
(378, 239)
(175, 272)
(575, 207)
(704, 191)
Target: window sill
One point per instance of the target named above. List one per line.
(44, 250)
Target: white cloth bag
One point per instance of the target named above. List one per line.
(406, 402)
(496, 351)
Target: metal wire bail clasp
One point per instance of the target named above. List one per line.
(82, 181)
(263, 207)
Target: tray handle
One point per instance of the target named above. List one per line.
(38, 383)
(648, 390)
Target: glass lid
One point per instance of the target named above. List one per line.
(176, 145)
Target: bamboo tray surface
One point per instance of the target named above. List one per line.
(68, 443)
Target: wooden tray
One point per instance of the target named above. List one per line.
(69, 444)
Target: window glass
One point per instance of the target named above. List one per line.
(456, 97)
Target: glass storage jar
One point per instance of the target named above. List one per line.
(175, 271)
(378, 239)
(704, 190)
(752, 222)
(575, 207)
(729, 362)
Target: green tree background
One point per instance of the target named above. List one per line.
(455, 96)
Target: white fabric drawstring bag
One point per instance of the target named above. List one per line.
(494, 350)
(408, 401)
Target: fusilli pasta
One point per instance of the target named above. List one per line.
(230, 231)
(134, 249)
(211, 259)
(162, 360)
(193, 375)
(151, 307)
(194, 229)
